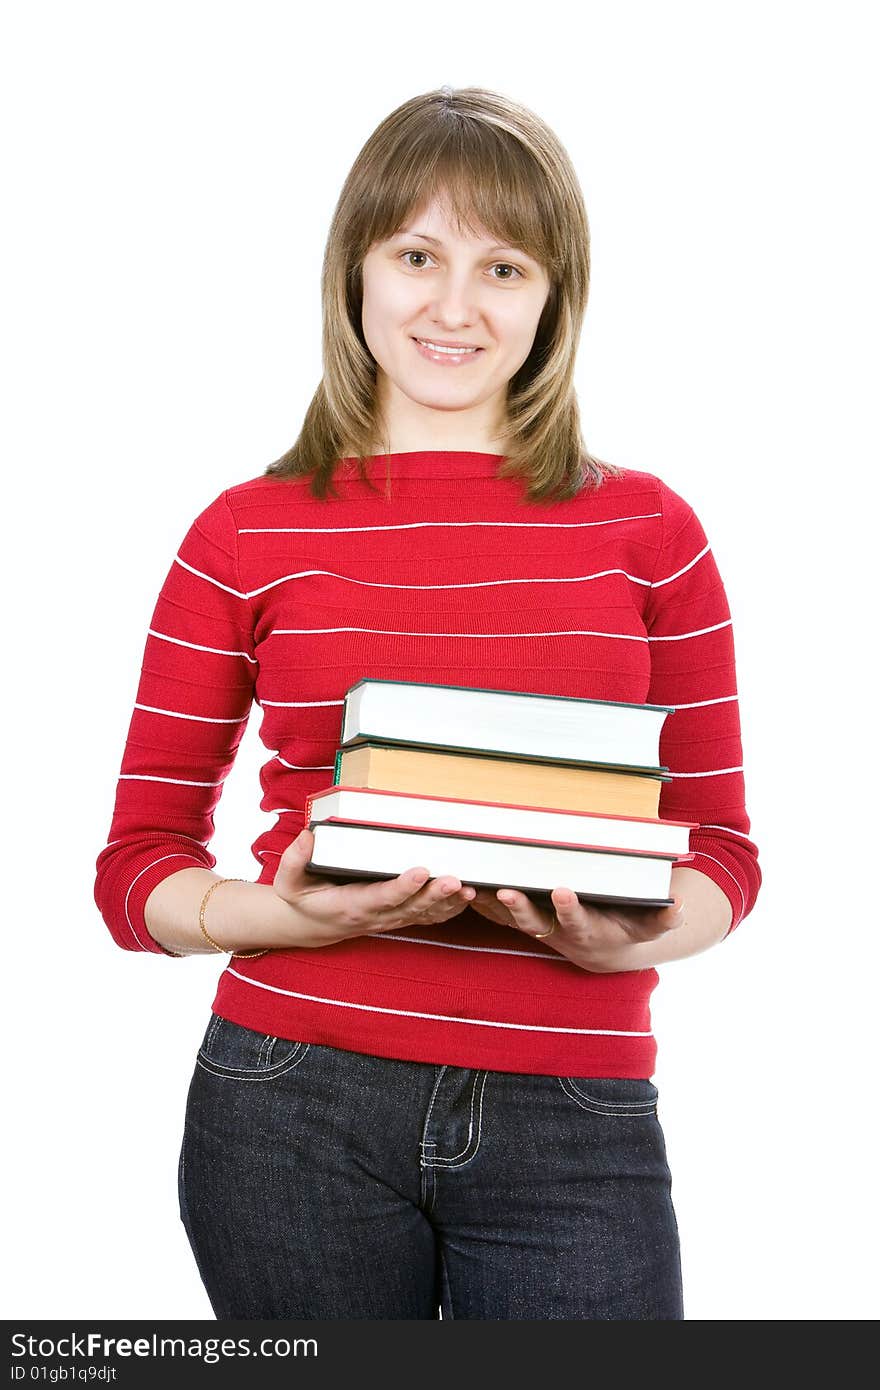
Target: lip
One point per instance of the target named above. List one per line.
(448, 359)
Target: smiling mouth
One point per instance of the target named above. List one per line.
(435, 352)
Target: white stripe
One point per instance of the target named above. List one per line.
(197, 647)
(703, 855)
(397, 632)
(554, 958)
(713, 772)
(140, 875)
(413, 525)
(199, 718)
(178, 833)
(479, 584)
(565, 631)
(741, 833)
(698, 704)
(437, 1018)
(697, 632)
(175, 781)
(301, 704)
(303, 767)
(200, 574)
(658, 583)
(553, 632)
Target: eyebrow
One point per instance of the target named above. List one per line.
(499, 246)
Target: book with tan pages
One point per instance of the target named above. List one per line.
(436, 772)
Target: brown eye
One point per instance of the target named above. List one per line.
(506, 266)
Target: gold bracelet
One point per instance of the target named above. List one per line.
(214, 943)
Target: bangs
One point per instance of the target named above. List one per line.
(484, 178)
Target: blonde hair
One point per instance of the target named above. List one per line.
(497, 166)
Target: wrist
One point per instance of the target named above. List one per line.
(607, 960)
(695, 934)
(242, 916)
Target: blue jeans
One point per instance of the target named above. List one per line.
(320, 1183)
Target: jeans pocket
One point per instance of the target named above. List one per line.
(243, 1054)
(613, 1096)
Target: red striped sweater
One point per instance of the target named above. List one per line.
(281, 598)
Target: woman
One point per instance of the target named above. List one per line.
(414, 1093)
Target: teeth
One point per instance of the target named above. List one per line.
(435, 347)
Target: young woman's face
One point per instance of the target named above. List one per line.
(428, 283)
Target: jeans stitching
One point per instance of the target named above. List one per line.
(451, 1162)
(426, 1195)
(212, 1029)
(423, 1142)
(609, 1108)
(254, 1073)
(264, 1068)
(597, 1100)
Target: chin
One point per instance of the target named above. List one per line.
(443, 400)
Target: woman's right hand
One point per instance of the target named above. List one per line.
(330, 911)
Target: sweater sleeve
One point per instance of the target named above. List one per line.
(196, 690)
(693, 668)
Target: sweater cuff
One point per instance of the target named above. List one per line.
(136, 898)
(714, 867)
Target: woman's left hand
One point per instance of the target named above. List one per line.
(596, 937)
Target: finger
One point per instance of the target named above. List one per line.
(292, 865)
(454, 888)
(661, 920)
(568, 907)
(444, 910)
(668, 918)
(436, 901)
(400, 889)
(299, 851)
(416, 893)
(443, 892)
(485, 898)
(525, 914)
(489, 906)
(383, 895)
(425, 891)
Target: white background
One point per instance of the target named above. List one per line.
(169, 173)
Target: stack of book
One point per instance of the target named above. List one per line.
(500, 789)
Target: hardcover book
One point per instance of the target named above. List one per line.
(504, 723)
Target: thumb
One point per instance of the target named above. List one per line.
(675, 913)
(298, 852)
(292, 878)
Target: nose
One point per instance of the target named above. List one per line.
(454, 305)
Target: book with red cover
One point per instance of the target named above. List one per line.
(373, 805)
